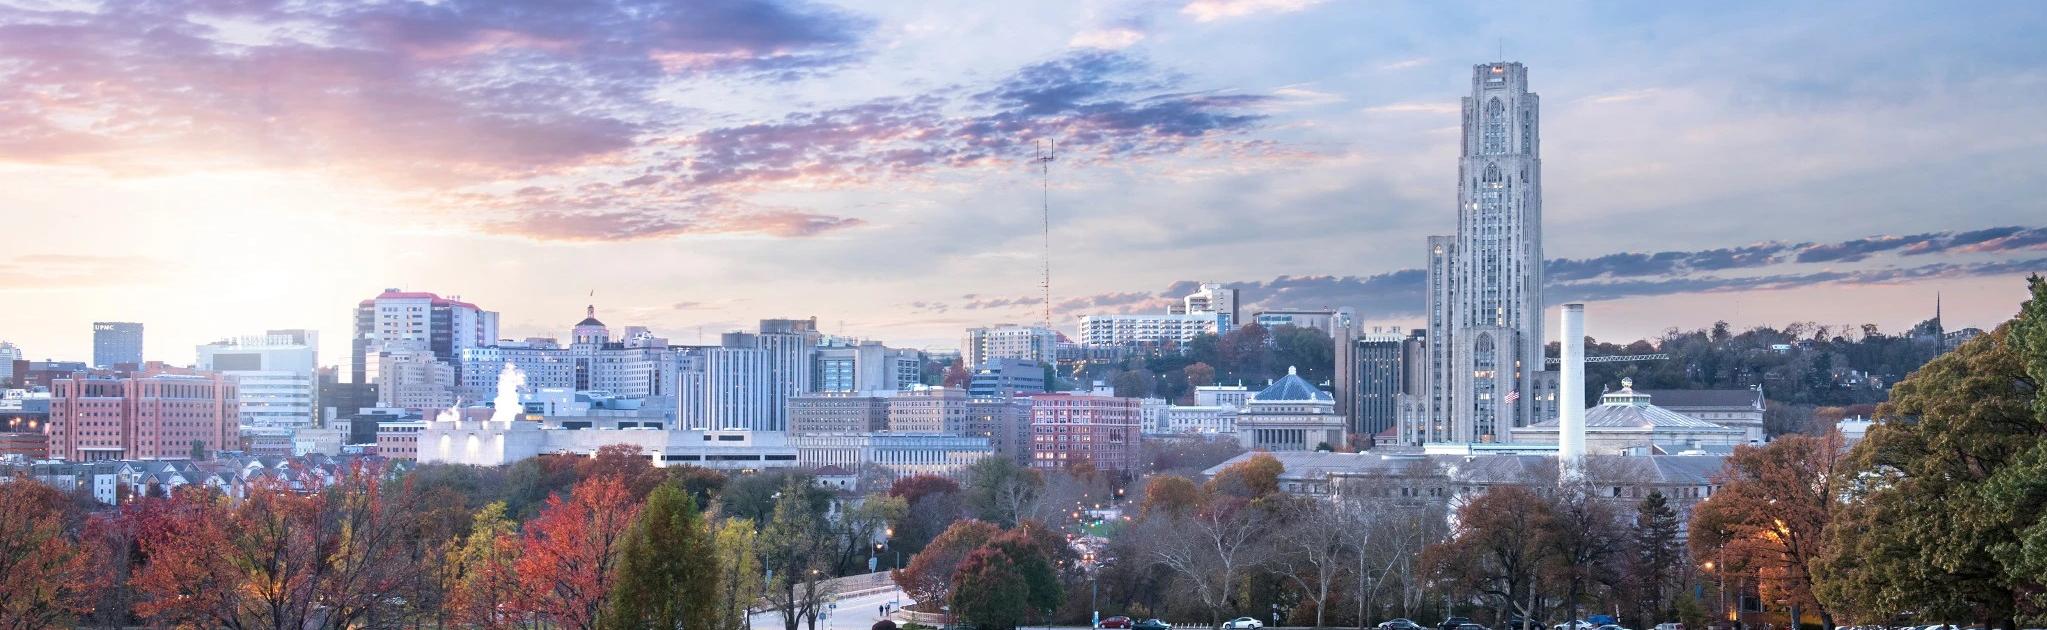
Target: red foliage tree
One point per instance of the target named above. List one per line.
(625, 462)
(45, 577)
(568, 555)
(915, 487)
(929, 576)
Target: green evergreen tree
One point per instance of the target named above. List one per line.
(1658, 553)
(666, 580)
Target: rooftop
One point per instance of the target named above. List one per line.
(1290, 388)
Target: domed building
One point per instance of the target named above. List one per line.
(1626, 423)
(1291, 415)
(590, 332)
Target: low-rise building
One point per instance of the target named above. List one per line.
(152, 413)
(898, 454)
(498, 442)
(1625, 422)
(1736, 408)
(837, 413)
(1291, 415)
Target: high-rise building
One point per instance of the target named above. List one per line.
(415, 380)
(928, 410)
(791, 347)
(1373, 372)
(1116, 330)
(814, 414)
(1484, 306)
(275, 376)
(116, 343)
(1068, 429)
(152, 413)
(746, 381)
(1009, 341)
(415, 320)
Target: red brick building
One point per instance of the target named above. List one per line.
(153, 413)
(1102, 430)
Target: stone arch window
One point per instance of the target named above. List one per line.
(1495, 135)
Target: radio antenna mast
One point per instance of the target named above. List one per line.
(1047, 152)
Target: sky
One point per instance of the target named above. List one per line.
(215, 168)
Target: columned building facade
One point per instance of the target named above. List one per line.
(1485, 283)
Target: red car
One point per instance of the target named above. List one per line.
(1120, 622)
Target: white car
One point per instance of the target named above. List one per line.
(1242, 623)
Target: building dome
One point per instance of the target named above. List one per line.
(589, 317)
(1292, 388)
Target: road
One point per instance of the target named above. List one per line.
(853, 613)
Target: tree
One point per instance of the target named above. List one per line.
(45, 577)
(212, 564)
(932, 504)
(1215, 547)
(483, 570)
(1136, 383)
(1656, 559)
(1199, 374)
(957, 376)
(987, 595)
(663, 581)
(1966, 433)
(739, 573)
(702, 484)
(1000, 491)
(797, 551)
(929, 576)
(1255, 477)
(1170, 495)
(1312, 550)
(569, 557)
(855, 529)
(625, 462)
(1585, 538)
(1498, 547)
(1769, 516)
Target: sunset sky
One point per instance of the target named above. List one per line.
(218, 167)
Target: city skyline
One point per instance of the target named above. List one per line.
(694, 183)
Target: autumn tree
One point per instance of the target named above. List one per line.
(987, 595)
(1769, 516)
(1312, 550)
(626, 463)
(569, 556)
(932, 504)
(928, 578)
(1253, 478)
(739, 573)
(663, 581)
(1586, 540)
(1199, 374)
(854, 530)
(482, 569)
(1169, 495)
(1498, 547)
(222, 565)
(45, 577)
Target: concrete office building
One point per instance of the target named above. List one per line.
(1007, 377)
(1626, 422)
(928, 410)
(116, 343)
(414, 379)
(847, 366)
(1009, 341)
(1068, 429)
(813, 414)
(1004, 421)
(1734, 408)
(492, 442)
(1211, 298)
(1372, 374)
(1233, 396)
(896, 454)
(1484, 301)
(151, 413)
(275, 374)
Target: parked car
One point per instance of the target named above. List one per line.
(1470, 626)
(1670, 625)
(1242, 623)
(1516, 622)
(1610, 626)
(1452, 623)
(1152, 624)
(1575, 625)
(1399, 624)
(1118, 622)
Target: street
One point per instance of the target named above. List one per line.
(854, 613)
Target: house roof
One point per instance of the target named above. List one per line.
(1741, 398)
(1630, 409)
(1492, 469)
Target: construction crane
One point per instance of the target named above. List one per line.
(1615, 358)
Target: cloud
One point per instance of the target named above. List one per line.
(1212, 10)
(1114, 38)
(76, 271)
(1417, 107)
(1640, 274)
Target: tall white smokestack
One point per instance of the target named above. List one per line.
(1571, 389)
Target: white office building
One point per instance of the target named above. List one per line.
(9, 353)
(275, 375)
(493, 443)
(899, 454)
(1330, 321)
(848, 366)
(1116, 330)
(1009, 341)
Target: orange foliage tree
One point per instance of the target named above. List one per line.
(1768, 518)
(45, 577)
(567, 559)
